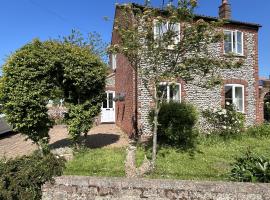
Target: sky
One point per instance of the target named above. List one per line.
(23, 20)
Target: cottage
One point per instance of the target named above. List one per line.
(240, 86)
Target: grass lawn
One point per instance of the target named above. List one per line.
(211, 161)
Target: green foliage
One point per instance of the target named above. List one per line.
(97, 162)
(225, 122)
(251, 168)
(262, 130)
(40, 71)
(211, 161)
(169, 54)
(22, 178)
(176, 123)
(166, 58)
(80, 119)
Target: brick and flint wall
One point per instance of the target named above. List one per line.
(213, 98)
(202, 98)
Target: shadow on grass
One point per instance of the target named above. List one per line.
(92, 141)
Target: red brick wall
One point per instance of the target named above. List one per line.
(124, 83)
(259, 114)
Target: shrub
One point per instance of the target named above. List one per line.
(40, 71)
(176, 124)
(225, 122)
(22, 178)
(251, 168)
(262, 130)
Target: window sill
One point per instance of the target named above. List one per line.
(234, 55)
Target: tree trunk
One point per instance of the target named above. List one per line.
(130, 164)
(154, 150)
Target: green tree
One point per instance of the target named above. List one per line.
(165, 55)
(39, 70)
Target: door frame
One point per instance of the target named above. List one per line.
(104, 109)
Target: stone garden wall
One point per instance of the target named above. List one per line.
(75, 187)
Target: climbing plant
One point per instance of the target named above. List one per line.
(159, 47)
(36, 72)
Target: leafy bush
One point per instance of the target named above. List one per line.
(225, 122)
(22, 178)
(251, 168)
(262, 130)
(52, 69)
(176, 124)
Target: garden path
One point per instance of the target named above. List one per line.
(104, 135)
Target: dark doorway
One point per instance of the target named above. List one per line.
(267, 107)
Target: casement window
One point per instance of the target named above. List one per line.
(169, 91)
(161, 28)
(233, 42)
(113, 61)
(234, 94)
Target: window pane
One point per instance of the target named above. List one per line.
(228, 42)
(110, 100)
(239, 42)
(163, 28)
(239, 98)
(234, 42)
(228, 95)
(104, 104)
(160, 29)
(113, 61)
(162, 91)
(176, 29)
(174, 92)
(156, 29)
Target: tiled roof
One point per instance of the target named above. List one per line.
(230, 21)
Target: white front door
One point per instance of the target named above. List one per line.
(108, 111)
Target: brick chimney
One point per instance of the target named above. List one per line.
(225, 10)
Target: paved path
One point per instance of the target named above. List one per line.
(104, 135)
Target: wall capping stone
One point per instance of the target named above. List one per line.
(82, 187)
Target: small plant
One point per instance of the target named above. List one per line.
(251, 168)
(262, 130)
(225, 122)
(176, 124)
(22, 178)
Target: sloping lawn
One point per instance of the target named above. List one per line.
(211, 161)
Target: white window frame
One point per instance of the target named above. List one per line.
(176, 39)
(168, 84)
(234, 32)
(233, 95)
(114, 56)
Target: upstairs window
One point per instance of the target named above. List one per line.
(161, 28)
(233, 42)
(234, 94)
(113, 61)
(169, 91)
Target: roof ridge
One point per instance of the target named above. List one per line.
(208, 17)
